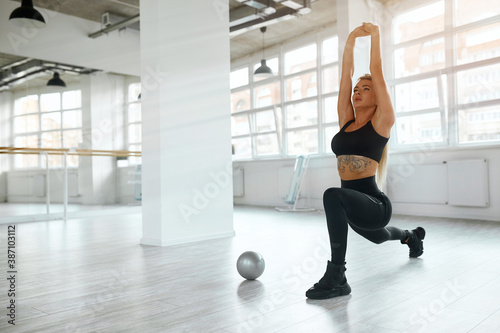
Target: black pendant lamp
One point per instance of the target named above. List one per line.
(263, 71)
(56, 81)
(27, 16)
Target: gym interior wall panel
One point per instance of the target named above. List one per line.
(18, 184)
(285, 175)
(457, 183)
(39, 185)
(31, 186)
(73, 185)
(3, 186)
(138, 182)
(468, 183)
(417, 182)
(424, 183)
(238, 182)
(125, 185)
(404, 162)
(267, 182)
(318, 180)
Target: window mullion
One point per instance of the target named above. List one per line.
(476, 24)
(319, 87)
(39, 134)
(284, 140)
(451, 82)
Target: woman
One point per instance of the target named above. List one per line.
(360, 147)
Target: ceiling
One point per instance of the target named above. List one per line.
(322, 14)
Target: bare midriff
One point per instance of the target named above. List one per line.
(352, 167)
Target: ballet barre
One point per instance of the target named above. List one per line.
(69, 151)
(65, 152)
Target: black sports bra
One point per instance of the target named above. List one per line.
(364, 141)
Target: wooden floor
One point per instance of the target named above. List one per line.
(91, 275)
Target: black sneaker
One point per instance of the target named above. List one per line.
(414, 242)
(332, 284)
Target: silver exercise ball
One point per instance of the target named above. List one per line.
(250, 265)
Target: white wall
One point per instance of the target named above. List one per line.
(22, 186)
(266, 182)
(265, 187)
(128, 185)
(412, 160)
(6, 105)
(22, 189)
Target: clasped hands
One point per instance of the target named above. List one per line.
(366, 29)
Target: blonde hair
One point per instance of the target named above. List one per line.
(382, 165)
(365, 77)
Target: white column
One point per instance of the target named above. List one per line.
(186, 124)
(351, 14)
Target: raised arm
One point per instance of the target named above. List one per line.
(344, 105)
(384, 117)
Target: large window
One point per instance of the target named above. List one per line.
(446, 84)
(293, 112)
(255, 107)
(52, 120)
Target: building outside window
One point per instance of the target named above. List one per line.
(446, 75)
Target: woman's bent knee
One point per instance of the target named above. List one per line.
(376, 240)
(332, 193)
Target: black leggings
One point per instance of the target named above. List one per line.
(360, 204)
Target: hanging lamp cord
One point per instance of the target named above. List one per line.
(263, 30)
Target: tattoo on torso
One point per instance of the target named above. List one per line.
(354, 163)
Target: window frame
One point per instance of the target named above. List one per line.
(131, 160)
(280, 108)
(449, 107)
(40, 132)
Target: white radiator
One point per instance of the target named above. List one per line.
(457, 183)
(468, 183)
